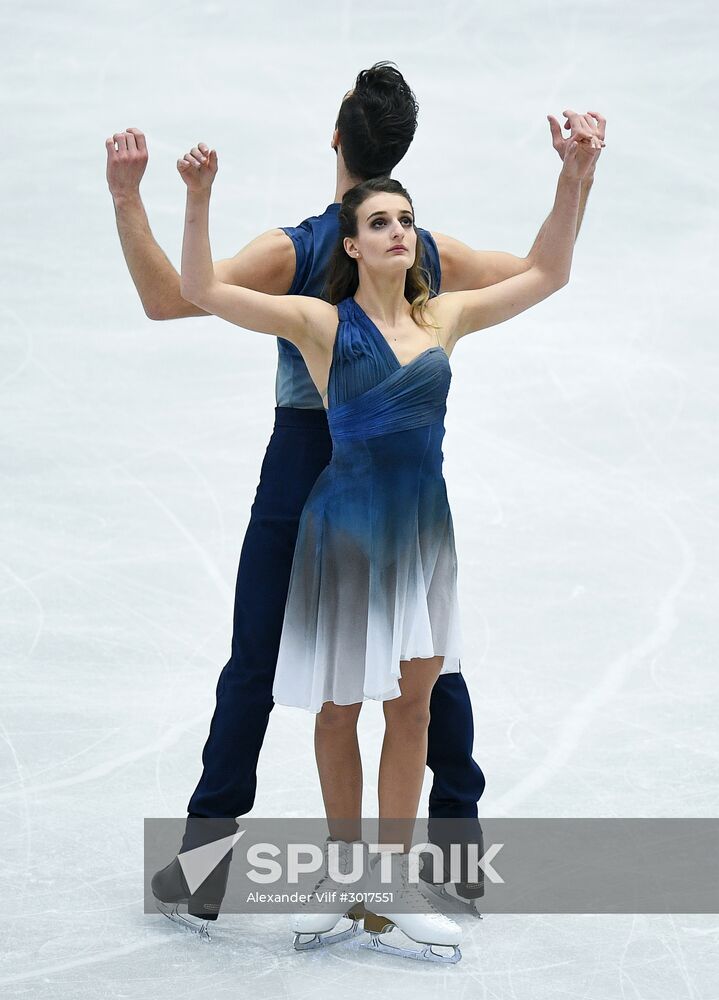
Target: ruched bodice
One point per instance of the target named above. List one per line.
(362, 359)
(374, 574)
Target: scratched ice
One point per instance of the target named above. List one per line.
(578, 460)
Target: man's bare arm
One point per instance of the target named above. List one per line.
(267, 264)
(464, 268)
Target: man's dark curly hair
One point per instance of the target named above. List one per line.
(377, 121)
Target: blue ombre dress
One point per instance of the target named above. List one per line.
(374, 576)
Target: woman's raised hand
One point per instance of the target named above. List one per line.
(589, 129)
(581, 127)
(580, 158)
(198, 167)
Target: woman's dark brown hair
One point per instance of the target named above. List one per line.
(343, 272)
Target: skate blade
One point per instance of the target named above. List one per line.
(425, 953)
(323, 940)
(188, 923)
(438, 891)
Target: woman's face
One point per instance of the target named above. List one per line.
(386, 239)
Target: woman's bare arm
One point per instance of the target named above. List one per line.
(464, 268)
(305, 321)
(460, 313)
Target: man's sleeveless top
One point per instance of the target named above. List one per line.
(314, 240)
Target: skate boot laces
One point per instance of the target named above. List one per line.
(411, 893)
(346, 853)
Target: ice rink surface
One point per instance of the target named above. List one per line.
(580, 462)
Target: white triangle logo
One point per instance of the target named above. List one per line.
(200, 861)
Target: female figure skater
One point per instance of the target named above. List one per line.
(372, 605)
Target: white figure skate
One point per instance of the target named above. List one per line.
(316, 927)
(430, 930)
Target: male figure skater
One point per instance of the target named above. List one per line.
(374, 129)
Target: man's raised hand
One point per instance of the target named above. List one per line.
(126, 162)
(587, 129)
(198, 167)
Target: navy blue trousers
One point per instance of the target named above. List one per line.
(299, 449)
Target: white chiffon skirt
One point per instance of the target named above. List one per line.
(374, 576)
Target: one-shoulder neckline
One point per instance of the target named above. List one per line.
(371, 322)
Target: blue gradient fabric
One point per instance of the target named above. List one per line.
(314, 239)
(374, 575)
